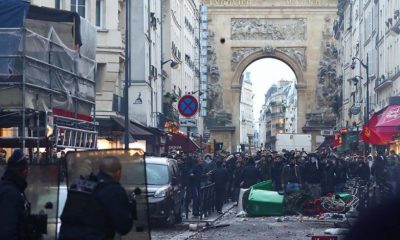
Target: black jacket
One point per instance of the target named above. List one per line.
(312, 173)
(220, 177)
(250, 176)
(14, 206)
(116, 206)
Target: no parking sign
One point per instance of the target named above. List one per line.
(188, 106)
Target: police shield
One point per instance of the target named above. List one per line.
(133, 179)
(42, 193)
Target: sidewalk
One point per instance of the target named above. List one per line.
(214, 216)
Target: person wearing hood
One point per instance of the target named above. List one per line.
(14, 206)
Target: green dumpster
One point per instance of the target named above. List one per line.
(346, 197)
(266, 185)
(264, 203)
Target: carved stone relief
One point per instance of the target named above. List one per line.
(298, 54)
(217, 116)
(328, 85)
(268, 29)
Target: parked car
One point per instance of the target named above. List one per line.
(164, 191)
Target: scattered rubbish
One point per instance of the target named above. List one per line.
(324, 238)
(193, 227)
(333, 216)
(279, 219)
(336, 231)
(241, 214)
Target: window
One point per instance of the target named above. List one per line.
(59, 4)
(99, 13)
(79, 6)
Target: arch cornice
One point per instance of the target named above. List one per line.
(267, 52)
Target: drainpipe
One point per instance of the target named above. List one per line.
(162, 53)
(150, 44)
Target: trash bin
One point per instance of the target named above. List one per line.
(265, 203)
(346, 197)
(243, 199)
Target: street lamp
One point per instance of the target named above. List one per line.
(365, 66)
(173, 64)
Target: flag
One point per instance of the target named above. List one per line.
(373, 135)
(369, 135)
(337, 141)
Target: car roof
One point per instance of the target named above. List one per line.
(159, 160)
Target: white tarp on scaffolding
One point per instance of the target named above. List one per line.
(56, 75)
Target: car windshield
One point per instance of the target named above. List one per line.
(157, 174)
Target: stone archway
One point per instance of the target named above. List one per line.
(297, 32)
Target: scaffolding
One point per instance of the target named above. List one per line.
(47, 91)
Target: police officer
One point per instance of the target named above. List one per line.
(107, 212)
(14, 207)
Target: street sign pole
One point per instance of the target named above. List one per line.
(188, 140)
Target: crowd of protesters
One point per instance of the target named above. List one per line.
(317, 173)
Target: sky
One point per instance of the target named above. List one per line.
(264, 73)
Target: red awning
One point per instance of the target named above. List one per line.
(177, 141)
(390, 117)
(379, 135)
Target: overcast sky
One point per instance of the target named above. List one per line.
(264, 73)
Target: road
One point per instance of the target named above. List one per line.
(247, 228)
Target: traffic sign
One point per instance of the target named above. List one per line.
(188, 122)
(188, 106)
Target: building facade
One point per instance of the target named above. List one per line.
(180, 55)
(369, 32)
(145, 92)
(291, 109)
(246, 111)
(279, 112)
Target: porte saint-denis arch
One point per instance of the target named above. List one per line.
(298, 32)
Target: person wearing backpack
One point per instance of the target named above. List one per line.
(98, 207)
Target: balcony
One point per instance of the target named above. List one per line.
(383, 82)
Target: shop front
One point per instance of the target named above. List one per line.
(383, 128)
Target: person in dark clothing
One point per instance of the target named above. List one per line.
(380, 222)
(313, 176)
(14, 207)
(362, 170)
(328, 180)
(378, 170)
(230, 167)
(265, 168)
(116, 211)
(250, 175)
(220, 178)
(237, 178)
(194, 185)
(340, 175)
(276, 173)
(291, 177)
